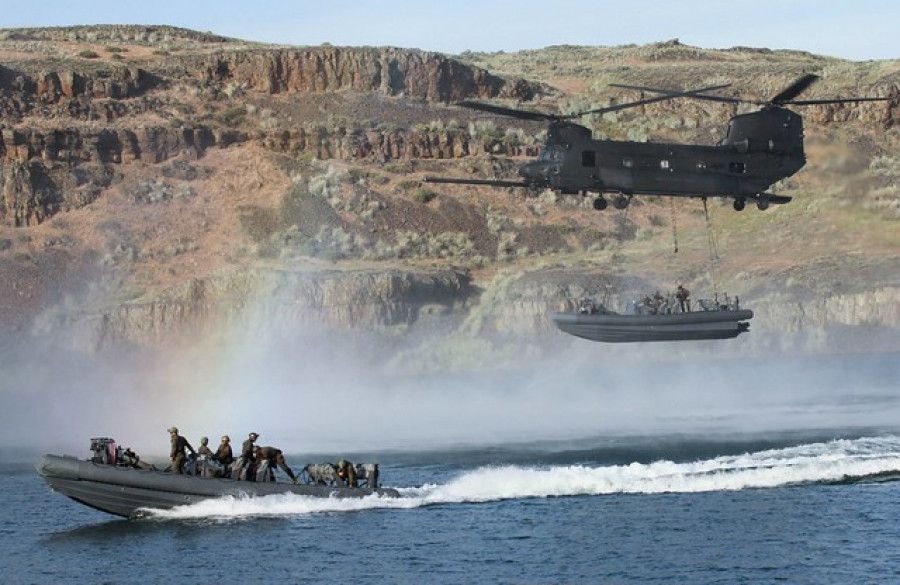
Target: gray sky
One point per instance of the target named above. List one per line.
(857, 30)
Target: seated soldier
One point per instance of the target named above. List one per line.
(224, 455)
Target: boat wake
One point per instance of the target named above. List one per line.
(838, 461)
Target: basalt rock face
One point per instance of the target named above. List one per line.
(40, 162)
(266, 303)
(45, 172)
(50, 82)
(396, 305)
(428, 76)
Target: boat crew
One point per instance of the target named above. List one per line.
(347, 472)
(683, 295)
(248, 457)
(204, 450)
(224, 455)
(177, 455)
(274, 457)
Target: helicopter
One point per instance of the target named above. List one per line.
(759, 149)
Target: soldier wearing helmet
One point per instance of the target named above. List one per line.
(248, 457)
(177, 454)
(204, 449)
(224, 455)
(275, 457)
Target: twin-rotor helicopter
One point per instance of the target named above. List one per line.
(759, 149)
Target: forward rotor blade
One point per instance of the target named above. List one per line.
(511, 112)
(794, 89)
(490, 182)
(526, 115)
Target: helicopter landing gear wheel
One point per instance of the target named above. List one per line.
(600, 203)
(763, 203)
(739, 204)
(621, 202)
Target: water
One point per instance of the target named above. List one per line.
(556, 515)
(726, 472)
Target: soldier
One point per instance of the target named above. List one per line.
(204, 449)
(177, 455)
(275, 457)
(224, 455)
(683, 294)
(248, 457)
(347, 472)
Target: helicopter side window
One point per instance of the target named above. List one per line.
(627, 163)
(664, 164)
(737, 168)
(588, 158)
(552, 153)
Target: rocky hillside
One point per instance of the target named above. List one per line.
(163, 186)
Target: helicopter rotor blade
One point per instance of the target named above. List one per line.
(696, 94)
(836, 101)
(490, 182)
(540, 116)
(781, 99)
(794, 89)
(511, 112)
(667, 95)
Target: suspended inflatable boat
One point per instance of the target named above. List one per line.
(712, 321)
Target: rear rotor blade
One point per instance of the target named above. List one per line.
(667, 95)
(695, 94)
(794, 89)
(836, 101)
(783, 98)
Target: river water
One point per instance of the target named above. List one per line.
(706, 495)
(781, 513)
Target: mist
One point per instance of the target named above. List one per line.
(310, 392)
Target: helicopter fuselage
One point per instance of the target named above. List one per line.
(760, 149)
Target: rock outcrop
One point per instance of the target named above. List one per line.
(260, 302)
(429, 76)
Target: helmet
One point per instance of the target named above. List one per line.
(173, 429)
(253, 435)
(342, 463)
(226, 438)
(204, 440)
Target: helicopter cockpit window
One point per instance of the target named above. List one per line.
(588, 158)
(737, 168)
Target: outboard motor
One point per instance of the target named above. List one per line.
(104, 450)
